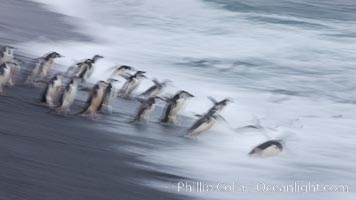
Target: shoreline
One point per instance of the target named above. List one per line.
(48, 156)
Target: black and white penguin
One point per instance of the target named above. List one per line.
(202, 124)
(119, 71)
(52, 91)
(131, 84)
(95, 99)
(175, 104)
(68, 96)
(155, 90)
(91, 66)
(6, 54)
(206, 121)
(218, 105)
(146, 107)
(5, 74)
(267, 149)
(109, 95)
(43, 66)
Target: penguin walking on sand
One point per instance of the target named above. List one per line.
(267, 149)
(6, 54)
(120, 71)
(52, 91)
(5, 74)
(95, 100)
(109, 95)
(175, 104)
(155, 90)
(146, 107)
(68, 96)
(43, 66)
(131, 84)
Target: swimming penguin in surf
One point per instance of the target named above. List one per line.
(109, 95)
(206, 121)
(267, 149)
(218, 105)
(52, 90)
(68, 96)
(175, 104)
(155, 90)
(95, 99)
(43, 67)
(6, 54)
(146, 107)
(131, 84)
(119, 71)
(202, 124)
(5, 74)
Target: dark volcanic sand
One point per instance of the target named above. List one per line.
(44, 156)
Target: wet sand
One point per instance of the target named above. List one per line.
(46, 156)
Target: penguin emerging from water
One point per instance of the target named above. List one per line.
(155, 90)
(175, 104)
(84, 69)
(132, 82)
(52, 91)
(90, 66)
(5, 74)
(202, 124)
(206, 121)
(120, 71)
(109, 95)
(6, 54)
(95, 99)
(267, 149)
(218, 105)
(68, 96)
(147, 106)
(43, 66)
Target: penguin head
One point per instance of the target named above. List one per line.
(102, 83)
(8, 49)
(140, 74)
(88, 61)
(185, 94)
(225, 101)
(126, 67)
(112, 80)
(55, 55)
(96, 57)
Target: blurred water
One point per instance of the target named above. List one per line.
(288, 65)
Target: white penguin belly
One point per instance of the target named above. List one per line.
(96, 101)
(203, 127)
(270, 151)
(4, 78)
(69, 97)
(131, 87)
(46, 67)
(178, 107)
(53, 91)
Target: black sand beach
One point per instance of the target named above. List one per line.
(45, 156)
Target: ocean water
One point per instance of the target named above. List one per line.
(289, 67)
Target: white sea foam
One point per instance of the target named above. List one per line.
(209, 51)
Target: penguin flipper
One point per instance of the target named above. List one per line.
(212, 99)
